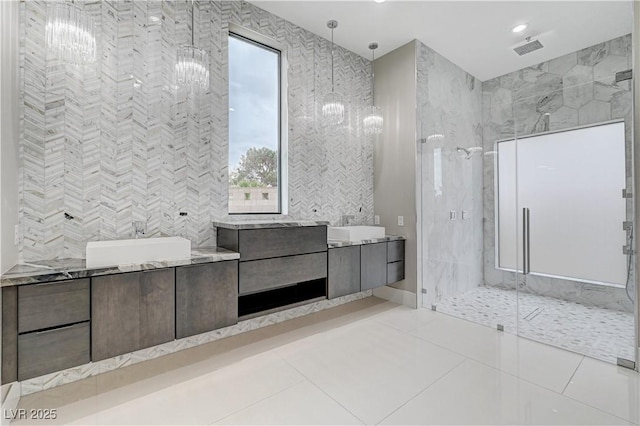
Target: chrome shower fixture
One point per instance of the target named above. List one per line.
(468, 152)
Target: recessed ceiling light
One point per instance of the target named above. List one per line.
(379, 1)
(519, 28)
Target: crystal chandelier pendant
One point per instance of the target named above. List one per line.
(373, 120)
(192, 64)
(333, 108)
(192, 69)
(70, 33)
(332, 103)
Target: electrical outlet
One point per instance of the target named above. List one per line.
(16, 235)
(453, 215)
(400, 220)
(465, 215)
(376, 219)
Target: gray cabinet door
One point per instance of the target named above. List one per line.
(9, 334)
(277, 242)
(344, 271)
(52, 304)
(131, 311)
(206, 297)
(395, 272)
(395, 251)
(373, 265)
(267, 274)
(42, 352)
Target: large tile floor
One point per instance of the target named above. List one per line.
(600, 333)
(370, 362)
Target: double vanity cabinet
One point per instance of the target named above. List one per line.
(55, 321)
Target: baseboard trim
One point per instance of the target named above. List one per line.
(395, 295)
(94, 368)
(10, 400)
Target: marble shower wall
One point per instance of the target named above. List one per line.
(116, 141)
(572, 90)
(449, 104)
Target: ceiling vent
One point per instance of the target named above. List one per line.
(528, 47)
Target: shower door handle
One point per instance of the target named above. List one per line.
(526, 259)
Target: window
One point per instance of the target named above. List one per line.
(254, 127)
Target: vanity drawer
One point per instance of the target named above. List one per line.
(395, 251)
(277, 242)
(43, 352)
(267, 274)
(395, 272)
(53, 304)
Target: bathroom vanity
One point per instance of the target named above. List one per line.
(66, 315)
(363, 265)
(281, 264)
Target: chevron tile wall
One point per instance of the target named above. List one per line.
(117, 141)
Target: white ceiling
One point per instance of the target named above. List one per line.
(475, 35)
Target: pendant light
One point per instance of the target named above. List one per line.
(70, 33)
(332, 103)
(372, 115)
(192, 66)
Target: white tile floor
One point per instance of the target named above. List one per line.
(600, 333)
(366, 362)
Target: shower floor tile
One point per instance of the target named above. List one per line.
(600, 333)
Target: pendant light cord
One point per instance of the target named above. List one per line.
(332, 86)
(192, 29)
(373, 77)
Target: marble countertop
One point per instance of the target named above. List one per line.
(65, 269)
(340, 243)
(268, 223)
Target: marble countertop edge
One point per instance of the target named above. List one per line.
(66, 269)
(340, 243)
(265, 224)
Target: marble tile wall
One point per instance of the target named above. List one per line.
(572, 90)
(449, 104)
(117, 141)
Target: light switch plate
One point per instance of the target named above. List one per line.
(465, 215)
(400, 220)
(453, 215)
(376, 219)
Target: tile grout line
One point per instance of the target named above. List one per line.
(325, 392)
(510, 374)
(591, 406)
(258, 401)
(572, 375)
(421, 391)
(492, 366)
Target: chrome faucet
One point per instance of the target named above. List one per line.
(347, 219)
(138, 228)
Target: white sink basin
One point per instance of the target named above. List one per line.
(354, 233)
(119, 252)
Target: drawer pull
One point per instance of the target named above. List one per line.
(59, 328)
(47, 283)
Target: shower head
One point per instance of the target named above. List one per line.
(468, 152)
(463, 151)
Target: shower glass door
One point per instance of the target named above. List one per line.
(564, 187)
(457, 152)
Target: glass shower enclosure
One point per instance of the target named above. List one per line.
(527, 221)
